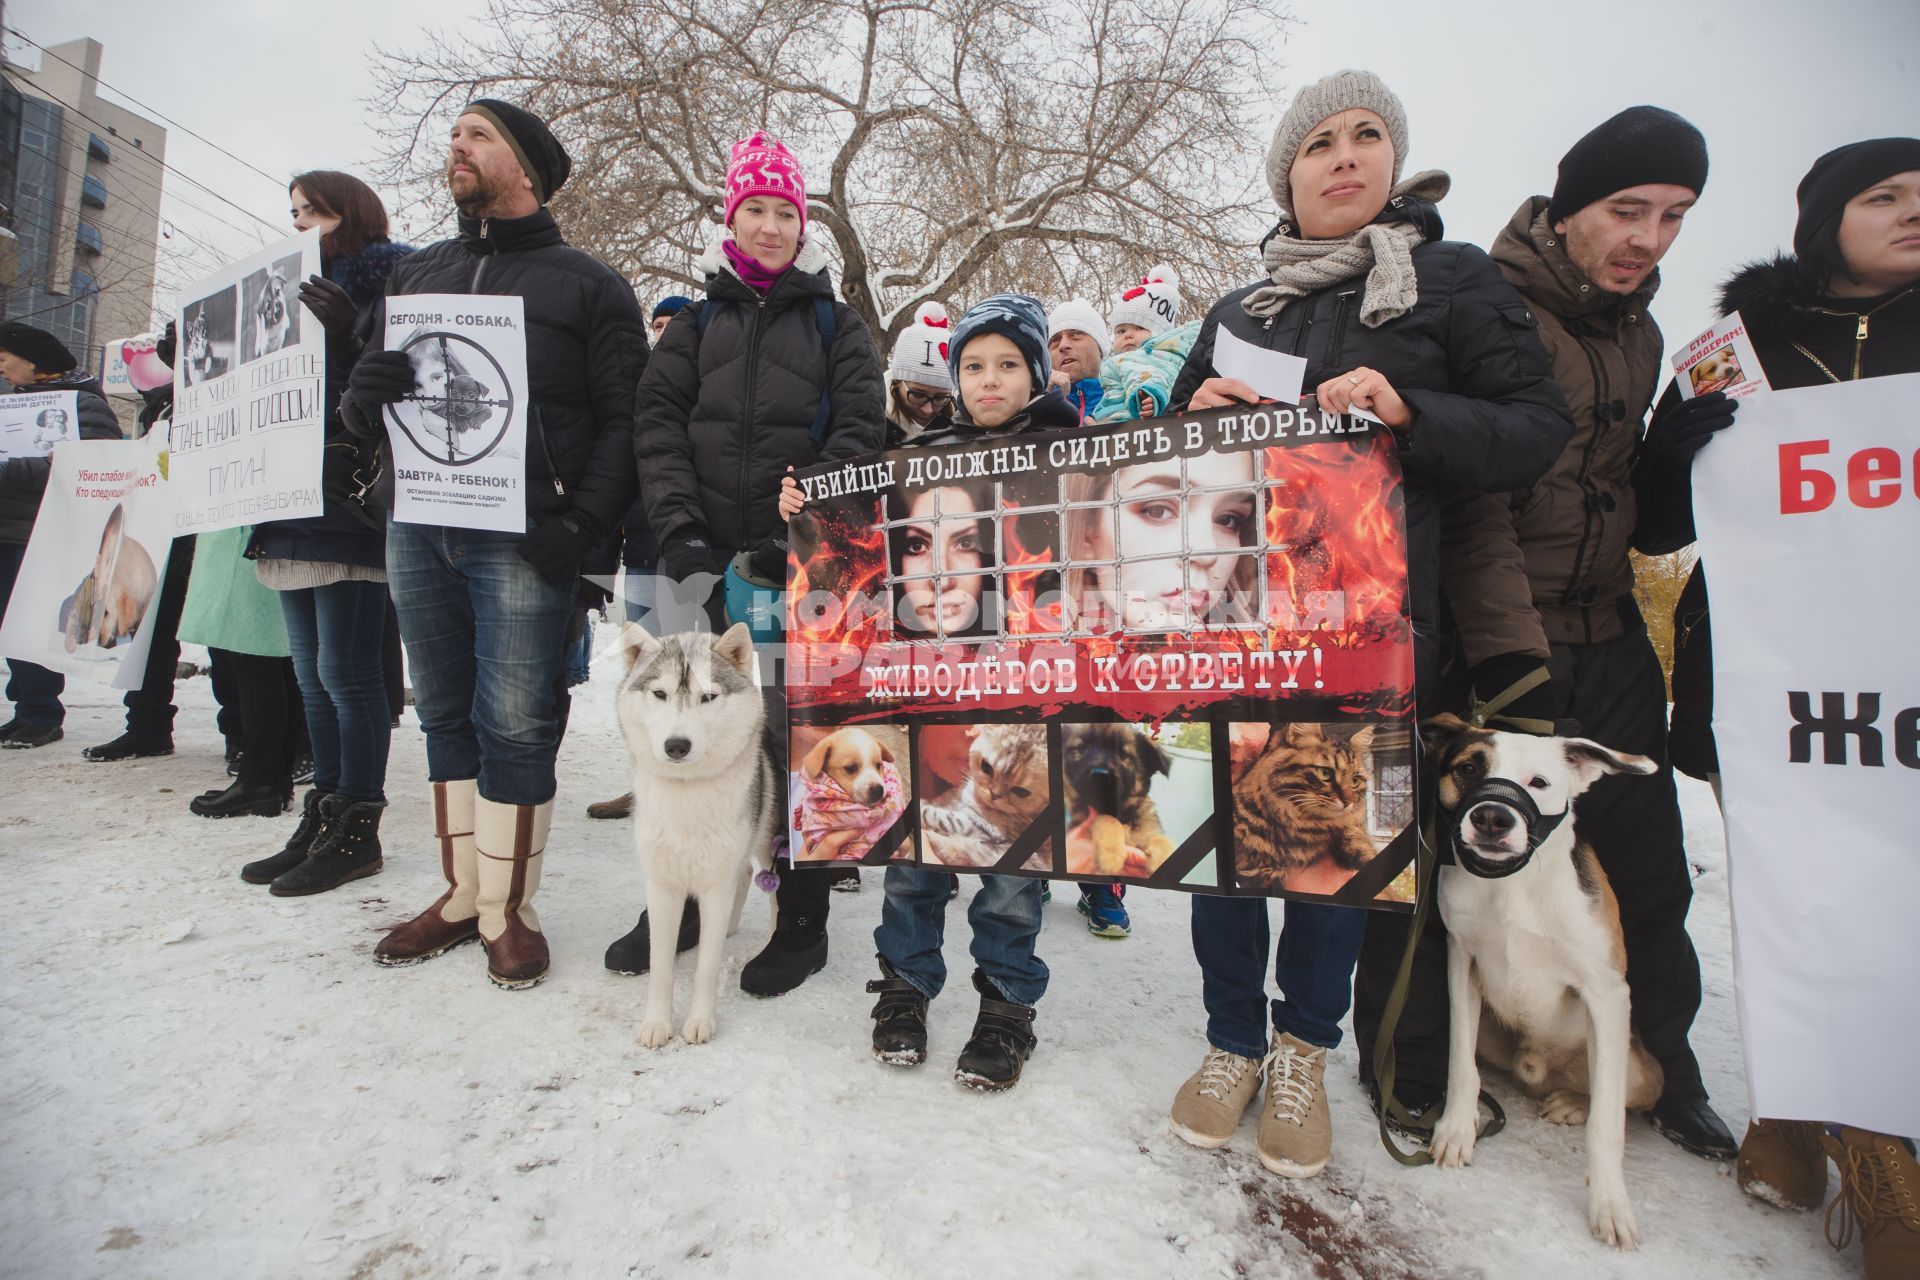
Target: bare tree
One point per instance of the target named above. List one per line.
(951, 146)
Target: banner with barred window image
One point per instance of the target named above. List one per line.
(1174, 653)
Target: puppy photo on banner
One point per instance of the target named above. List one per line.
(1174, 653)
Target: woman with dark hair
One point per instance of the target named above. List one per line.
(330, 570)
(940, 547)
(1844, 305)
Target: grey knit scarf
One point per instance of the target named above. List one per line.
(1382, 252)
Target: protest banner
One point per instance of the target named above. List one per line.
(94, 562)
(1173, 653)
(460, 440)
(1808, 510)
(249, 391)
(32, 422)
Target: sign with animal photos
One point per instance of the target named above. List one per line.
(459, 442)
(94, 562)
(1808, 513)
(32, 422)
(1174, 653)
(1721, 359)
(249, 393)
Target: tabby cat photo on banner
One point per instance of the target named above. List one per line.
(1173, 653)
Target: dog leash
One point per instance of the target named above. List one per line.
(1385, 1057)
(1480, 712)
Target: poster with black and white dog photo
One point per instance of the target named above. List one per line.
(32, 423)
(460, 440)
(249, 412)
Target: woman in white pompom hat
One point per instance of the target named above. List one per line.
(919, 389)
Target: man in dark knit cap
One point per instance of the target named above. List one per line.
(484, 615)
(1554, 637)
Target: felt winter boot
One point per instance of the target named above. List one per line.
(454, 919)
(1783, 1163)
(511, 840)
(313, 824)
(1880, 1193)
(899, 1020)
(1001, 1042)
(350, 849)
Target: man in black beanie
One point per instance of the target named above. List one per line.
(484, 615)
(1553, 637)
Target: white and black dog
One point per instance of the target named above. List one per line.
(707, 801)
(1536, 966)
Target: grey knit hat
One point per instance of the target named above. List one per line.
(1341, 91)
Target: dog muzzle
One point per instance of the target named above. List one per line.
(1496, 806)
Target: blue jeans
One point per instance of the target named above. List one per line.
(33, 690)
(335, 632)
(486, 636)
(639, 589)
(580, 655)
(1004, 913)
(1313, 968)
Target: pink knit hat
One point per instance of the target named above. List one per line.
(762, 166)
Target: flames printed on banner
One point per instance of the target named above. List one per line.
(838, 590)
(1343, 567)
(1027, 613)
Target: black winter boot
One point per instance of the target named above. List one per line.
(130, 746)
(1690, 1124)
(267, 801)
(797, 951)
(632, 952)
(313, 825)
(899, 1020)
(350, 849)
(1001, 1042)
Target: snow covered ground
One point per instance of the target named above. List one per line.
(199, 1079)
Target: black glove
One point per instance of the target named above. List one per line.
(1531, 712)
(332, 306)
(557, 548)
(164, 348)
(682, 557)
(1684, 427)
(379, 379)
(769, 560)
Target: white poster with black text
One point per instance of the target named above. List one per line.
(1808, 511)
(32, 422)
(249, 389)
(459, 442)
(94, 562)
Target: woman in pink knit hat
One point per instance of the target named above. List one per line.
(770, 372)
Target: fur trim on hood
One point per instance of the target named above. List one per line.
(712, 260)
(364, 274)
(1770, 295)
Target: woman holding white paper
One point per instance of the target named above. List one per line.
(1426, 335)
(1845, 305)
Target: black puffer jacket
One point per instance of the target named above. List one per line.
(1467, 359)
(24, 480)
(586, 348)
(1782, 316)
(723, 415)
(341, 534)
(1048, 411)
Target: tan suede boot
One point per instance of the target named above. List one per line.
(1783, 1163)
(454, 919)
(1880, 1192)
(512, 840)
(1296, 1130)
(1209, 1105)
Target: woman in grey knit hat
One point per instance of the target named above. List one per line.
(1426, 335)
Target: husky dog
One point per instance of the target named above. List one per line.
(706, 800)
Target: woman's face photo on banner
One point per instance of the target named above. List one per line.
(940, 543)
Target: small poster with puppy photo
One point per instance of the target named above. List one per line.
(1721, 359)
(94, 562)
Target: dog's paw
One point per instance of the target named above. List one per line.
(699, 1029)
(1610, 1214)
(655, 1032)
(1453, 1139)
(1564, 1107)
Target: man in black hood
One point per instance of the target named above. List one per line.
(484, 615)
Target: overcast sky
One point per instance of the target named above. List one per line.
(1495, 93)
